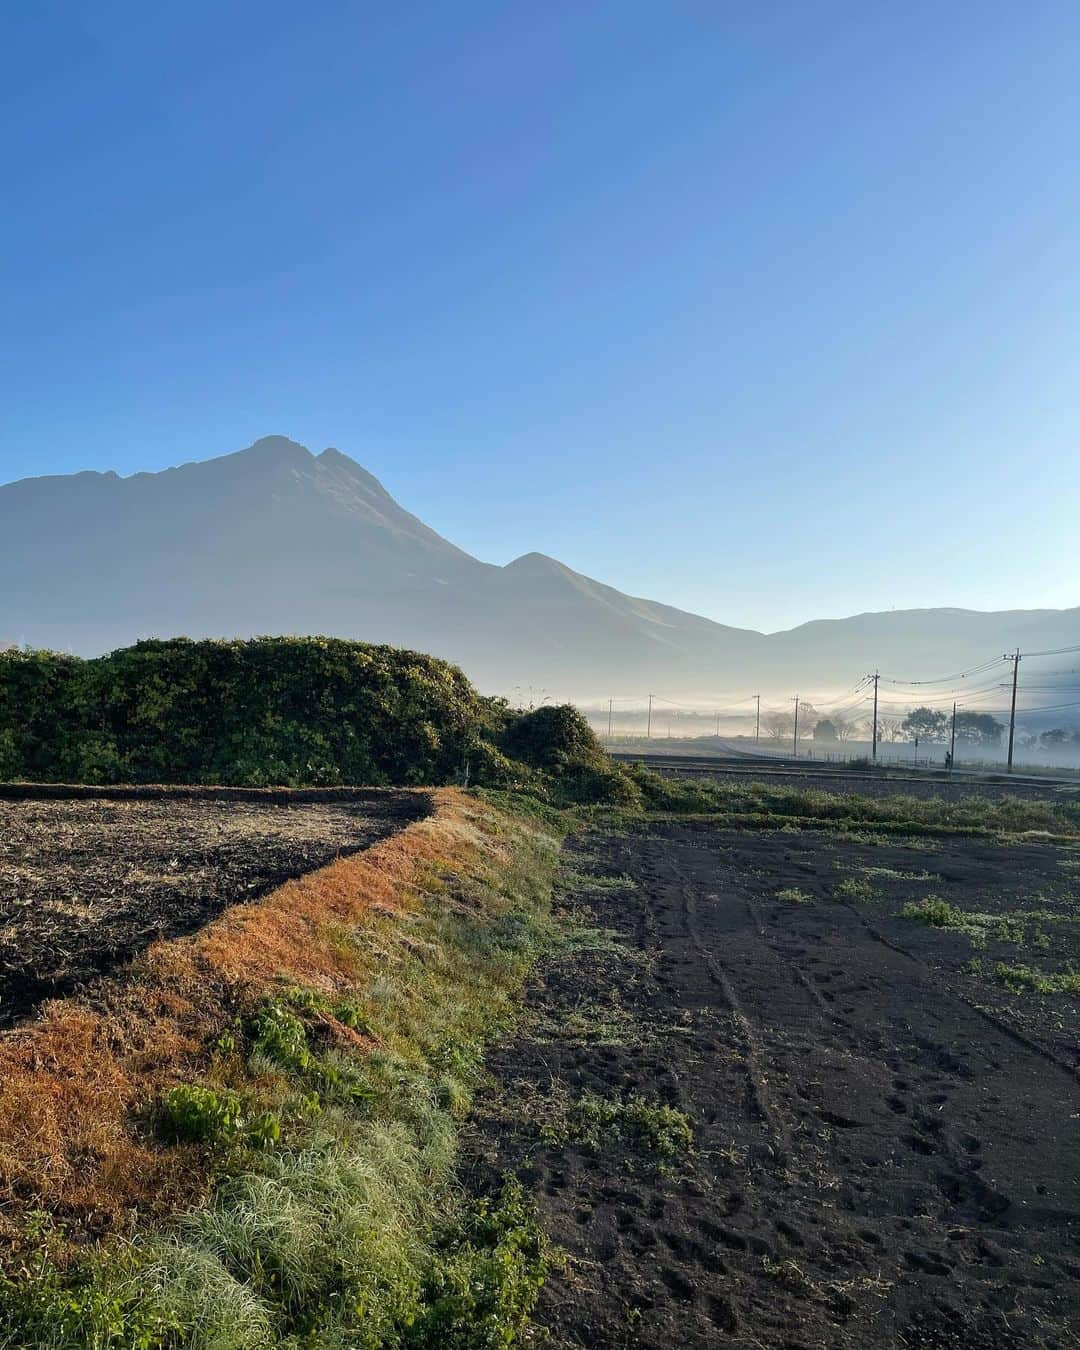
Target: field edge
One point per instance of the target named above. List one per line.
(314, 1049)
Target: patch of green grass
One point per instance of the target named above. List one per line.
(896, 874)
(793, 896)
(935, 913)
(856, 889)
(586, 1023)
(768, 805)
(1026, 978)
(593, 1121)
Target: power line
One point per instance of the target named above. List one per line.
(948, 679)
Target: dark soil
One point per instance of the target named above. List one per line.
(877, 1161)
(87, 883)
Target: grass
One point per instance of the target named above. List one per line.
(1021, 979)
(792, 895)
(323, 1124)
(760, 805)
(896, 874)
(856, 888)
(935, 912)
(981, 928)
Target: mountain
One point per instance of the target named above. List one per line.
(274, 539)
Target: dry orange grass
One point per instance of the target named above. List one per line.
(76, 1087)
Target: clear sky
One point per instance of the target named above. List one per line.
(770, 311)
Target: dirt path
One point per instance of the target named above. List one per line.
(877, 1162)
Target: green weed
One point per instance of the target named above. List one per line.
(1026, 978)
(593, 1121)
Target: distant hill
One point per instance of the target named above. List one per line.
(274, 539)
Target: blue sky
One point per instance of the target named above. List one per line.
(768, 311)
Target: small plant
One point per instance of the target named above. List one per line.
(934, 912)
(856, 888)
(264, 1131)
(352, 1015)
(281, 1036)
(793, 896)
(191, 1114)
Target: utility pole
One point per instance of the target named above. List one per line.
(873, 754)
(648, 726)
(796, 745)
(609, 709)
(1012, 711)
(757, 720)
(952, 739)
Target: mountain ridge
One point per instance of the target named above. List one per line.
(274, 538)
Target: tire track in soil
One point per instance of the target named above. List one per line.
(876, 1164)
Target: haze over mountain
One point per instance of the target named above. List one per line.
(274, 539)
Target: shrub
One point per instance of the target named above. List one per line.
(553, 738)
(273, 710)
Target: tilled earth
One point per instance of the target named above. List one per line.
(87, 883)
(885, 1137)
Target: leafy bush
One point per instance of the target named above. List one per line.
(269, 711)
(289, 711)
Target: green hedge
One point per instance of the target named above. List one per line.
(290, 711)
(273, 710)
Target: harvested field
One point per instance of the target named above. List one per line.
(88, 881)
(884, 1135)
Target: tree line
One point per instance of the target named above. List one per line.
(927, 725)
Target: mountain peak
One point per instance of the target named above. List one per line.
(538, 564)
(278, 450)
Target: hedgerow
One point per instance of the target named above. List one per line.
(285, 711)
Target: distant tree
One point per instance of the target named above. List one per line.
(979, 729)
(927, 724)
(888, 728)
(825, 730)
(778, 725)
(846, 727)
(808, 719)
(1059, 736)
